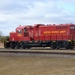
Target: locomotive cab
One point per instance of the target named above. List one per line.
(22, 33)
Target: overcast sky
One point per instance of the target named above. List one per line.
(21, 12)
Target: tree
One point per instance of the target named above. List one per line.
(1, 38)
(0, 33)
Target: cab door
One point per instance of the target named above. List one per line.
(26, 35)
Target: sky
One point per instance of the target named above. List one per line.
(29, 12)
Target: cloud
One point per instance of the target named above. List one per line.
(24, 12)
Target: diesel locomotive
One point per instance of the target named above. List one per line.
(41, 35)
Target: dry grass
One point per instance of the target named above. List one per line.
(36, 66)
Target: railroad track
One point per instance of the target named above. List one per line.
(38, 48)
(38, 52)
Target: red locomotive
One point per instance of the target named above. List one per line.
(40, 35)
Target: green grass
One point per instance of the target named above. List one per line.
(36, 66)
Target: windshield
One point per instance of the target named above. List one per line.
(19, 31)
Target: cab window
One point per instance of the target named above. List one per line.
(19, 31)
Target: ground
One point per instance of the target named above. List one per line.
(36, 65)
(22, 65)
(1, 45)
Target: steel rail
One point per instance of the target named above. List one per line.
(38, 52)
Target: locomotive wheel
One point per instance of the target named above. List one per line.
(28, 47)
(23, 47)
(12, 46)
(58, 45)
(17, 47)
(22, 44)
(53, 45)
(66, 45)
(71, 47)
